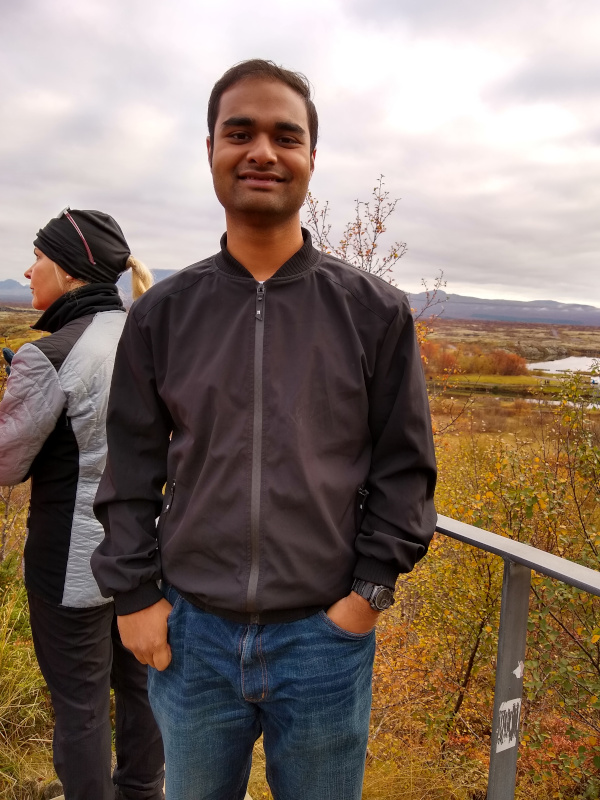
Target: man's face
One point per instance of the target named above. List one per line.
(260, 158)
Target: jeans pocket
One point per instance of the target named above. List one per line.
(341, 632)
(172, 596)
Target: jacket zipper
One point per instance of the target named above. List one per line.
(257, 425)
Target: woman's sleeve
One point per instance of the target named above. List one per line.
(32, 403)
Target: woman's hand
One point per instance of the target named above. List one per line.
(8, 357)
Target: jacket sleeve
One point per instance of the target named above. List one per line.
(400, 515)
(32, 403)
(126, 564)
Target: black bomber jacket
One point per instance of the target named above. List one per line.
(249, 419)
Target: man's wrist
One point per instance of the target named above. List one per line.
(378, 596)
(146, 594)
(362, 605)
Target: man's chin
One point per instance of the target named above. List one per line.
(262, 210)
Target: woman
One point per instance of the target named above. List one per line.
(52, 429)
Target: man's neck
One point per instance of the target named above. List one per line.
(263, 250)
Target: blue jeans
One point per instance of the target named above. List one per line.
(305, 685)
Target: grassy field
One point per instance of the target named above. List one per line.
(15, 327)
(534, 385)
(533, 381)
(457, 345)
(533, 341)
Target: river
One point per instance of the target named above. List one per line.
(574, 363)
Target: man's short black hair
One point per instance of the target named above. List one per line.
(259, 68)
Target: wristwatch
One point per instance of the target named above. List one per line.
(379, 597)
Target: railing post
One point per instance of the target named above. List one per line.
(508, 693)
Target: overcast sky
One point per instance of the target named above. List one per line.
(484, 118)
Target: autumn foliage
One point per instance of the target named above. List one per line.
(436, 670)
(440, 359)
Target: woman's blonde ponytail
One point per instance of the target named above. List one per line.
(141, 277)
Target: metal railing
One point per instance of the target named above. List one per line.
(519, 560)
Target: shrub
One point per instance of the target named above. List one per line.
(25, 712)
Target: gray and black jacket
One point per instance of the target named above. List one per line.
(52, 429)
(264, 409)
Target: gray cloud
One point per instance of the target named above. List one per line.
(458, 15)
(104, 107)
(510, 21)
(554, 75)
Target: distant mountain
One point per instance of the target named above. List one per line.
(453, 306)
(125, 279)
(456, 306)
(14, 292)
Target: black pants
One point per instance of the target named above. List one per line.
(81, 656)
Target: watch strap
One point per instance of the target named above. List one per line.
(372, 592)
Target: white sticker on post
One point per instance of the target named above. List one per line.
(508, 727)
(520, 670)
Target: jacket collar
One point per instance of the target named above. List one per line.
(302, 261)
(88, 299)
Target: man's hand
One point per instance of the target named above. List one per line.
(353, 613)
(145, 634)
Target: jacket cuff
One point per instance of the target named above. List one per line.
(145, 595)
(374, 571)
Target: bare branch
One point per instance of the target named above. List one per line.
(360, 239)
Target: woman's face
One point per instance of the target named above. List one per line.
(47, 281)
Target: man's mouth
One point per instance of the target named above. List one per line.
(260, 178)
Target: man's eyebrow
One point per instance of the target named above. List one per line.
(241, 122)
(290, 127)
(249, 122)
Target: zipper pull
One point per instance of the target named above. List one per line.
(362, 498)
(260, 298)
(170, 503)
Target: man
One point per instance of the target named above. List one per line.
(277, 394)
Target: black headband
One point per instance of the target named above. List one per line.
(61, 241)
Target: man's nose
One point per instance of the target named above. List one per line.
(262, 150)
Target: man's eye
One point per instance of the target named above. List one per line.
(240, 136)
(288, 140)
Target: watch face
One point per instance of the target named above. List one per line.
(382, 599)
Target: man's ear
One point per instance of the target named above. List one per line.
(312, 161)
(209, 151)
